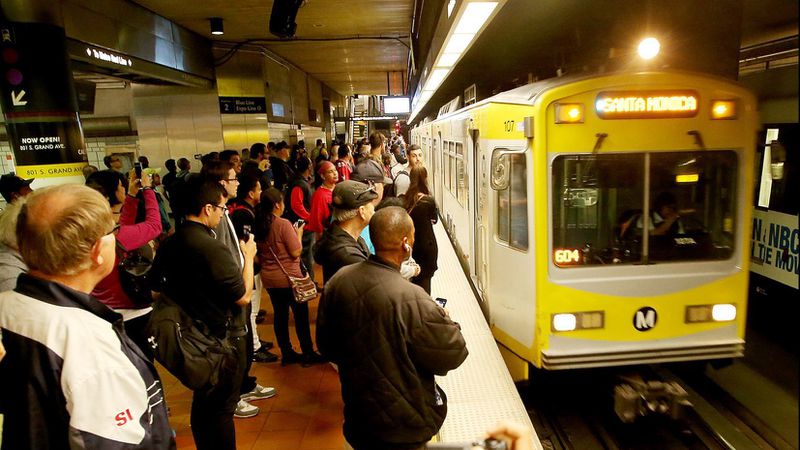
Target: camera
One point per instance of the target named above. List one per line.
(137, 166)
(488, 444)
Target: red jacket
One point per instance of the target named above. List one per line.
(132, 236)
(320, 209)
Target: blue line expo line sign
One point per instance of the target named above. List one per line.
(242, 105)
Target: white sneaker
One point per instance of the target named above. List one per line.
(259, 393)
(245, 410)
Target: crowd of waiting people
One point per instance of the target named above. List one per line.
(80, 362)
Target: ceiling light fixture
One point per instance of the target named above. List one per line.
(216, 26)
(470, 21)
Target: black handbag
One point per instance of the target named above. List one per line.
(303, 288)
(187, 348)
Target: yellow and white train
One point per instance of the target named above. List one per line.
(544, 191)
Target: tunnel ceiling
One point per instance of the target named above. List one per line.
(358, 65)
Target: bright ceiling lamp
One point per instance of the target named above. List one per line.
(435, 79)
(475, 15)
(447, 60)
(458, 43)
(649, 48)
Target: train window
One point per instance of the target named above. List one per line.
(462, 177)
(512, 204)
(693, 205)
(598, 207)
(446, 164)
(453, 183)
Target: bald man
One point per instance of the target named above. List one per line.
(389, 339)
(72, 378)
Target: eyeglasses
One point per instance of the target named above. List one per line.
(113, 230)
(230, 180)
(222, 208)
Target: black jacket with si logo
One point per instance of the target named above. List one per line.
(71, 378)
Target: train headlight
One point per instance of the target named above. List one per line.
(578, 321)
(710, 313)
(564, 322)
(569, 112)
(723, 313)
(723, 109)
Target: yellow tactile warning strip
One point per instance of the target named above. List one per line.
(481, 392)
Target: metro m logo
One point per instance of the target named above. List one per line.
(645, 319)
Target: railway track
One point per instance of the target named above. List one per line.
(576, 411)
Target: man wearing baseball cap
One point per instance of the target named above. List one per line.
(13, 187)
(341, 244)
(370, 171)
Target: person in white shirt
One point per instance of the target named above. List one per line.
(400, 172)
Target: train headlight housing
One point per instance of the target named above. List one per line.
(723, 109)
(569, 112)
(724, 312)
(578, 321)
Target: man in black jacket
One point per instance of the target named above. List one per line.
(199, 272)
(341, 244)
(389, 339)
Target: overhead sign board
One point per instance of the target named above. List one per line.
(647, 104)
(242, 105)
(39, 101)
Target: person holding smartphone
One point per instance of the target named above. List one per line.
(130, 235)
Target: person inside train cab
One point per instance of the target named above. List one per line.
(664, 218)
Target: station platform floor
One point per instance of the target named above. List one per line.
(306, 413)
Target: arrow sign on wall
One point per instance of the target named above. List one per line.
(16, 99)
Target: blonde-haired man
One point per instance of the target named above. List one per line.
(71, 377)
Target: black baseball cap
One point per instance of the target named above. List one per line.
(351, 194)
(10, 183)
(370, 170)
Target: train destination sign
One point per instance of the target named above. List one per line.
(646, 104)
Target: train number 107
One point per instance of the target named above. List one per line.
(508, 126)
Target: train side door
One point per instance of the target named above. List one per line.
(480, 189)
(438, 169)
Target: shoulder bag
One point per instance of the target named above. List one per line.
(187, 348)
(303, 288)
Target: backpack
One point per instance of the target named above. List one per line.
(135, 276)
(391, 190)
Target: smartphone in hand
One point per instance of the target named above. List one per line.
(246, 232)
(299, 223)
(440, 301)
(137, 166)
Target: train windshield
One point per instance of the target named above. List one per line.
(599, 204)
